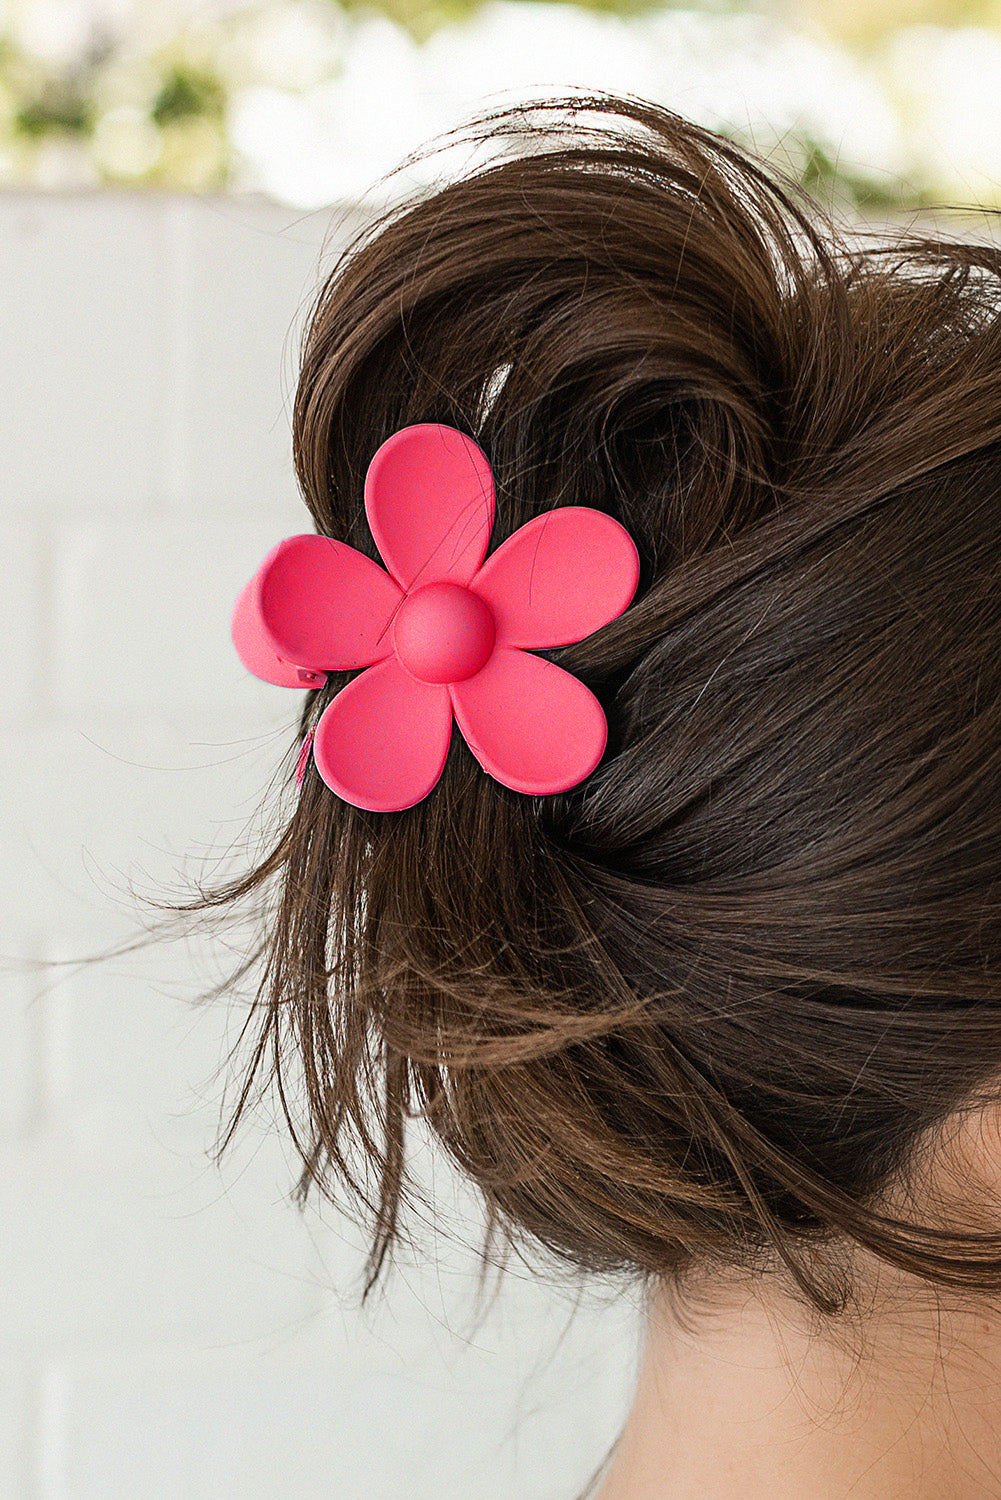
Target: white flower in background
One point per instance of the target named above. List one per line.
(510, 47)
(760, 78)
(292, 44)
(947, 84)
(508, 53)
(126, 143)
(61, 33)
(745, 73)
(332, 141)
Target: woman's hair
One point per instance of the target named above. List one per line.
(713, 1008)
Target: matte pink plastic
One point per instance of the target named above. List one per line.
(255, 648)
(529, 723)
(385, 747)
(445, 633)
(303, 758)
(429, 498)
(559, 577)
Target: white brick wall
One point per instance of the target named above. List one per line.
(168, 1328)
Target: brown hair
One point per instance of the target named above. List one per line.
(711, 1007)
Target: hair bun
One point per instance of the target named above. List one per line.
(706, 1009)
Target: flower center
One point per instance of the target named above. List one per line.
(443, 633)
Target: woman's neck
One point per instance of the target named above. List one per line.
(755, 1406)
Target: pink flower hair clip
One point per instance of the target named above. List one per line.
(441, 633)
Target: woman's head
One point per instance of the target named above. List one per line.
(715, 1009)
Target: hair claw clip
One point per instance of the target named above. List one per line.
(442, 633)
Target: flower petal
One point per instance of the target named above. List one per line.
(559, 577)
(429, 498)
(254, 647)
(530, 724)
(325, 605)
(382, 742)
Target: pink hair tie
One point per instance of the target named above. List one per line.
(441, 633)
(303, 760)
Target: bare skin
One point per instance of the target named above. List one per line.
(752, 1402)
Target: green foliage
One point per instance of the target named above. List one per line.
(60, 106)
(186, 92)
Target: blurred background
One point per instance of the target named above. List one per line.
(894, 101)
(175, 182)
